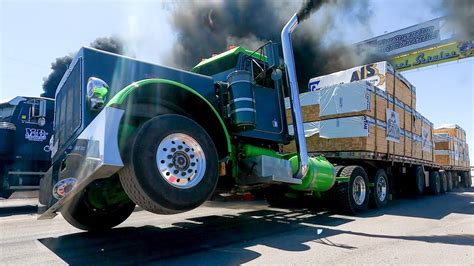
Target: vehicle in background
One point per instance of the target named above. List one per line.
(26, 126)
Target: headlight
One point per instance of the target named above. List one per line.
(97, 91)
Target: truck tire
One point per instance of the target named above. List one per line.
(353, 196)
(171, 165)
(4, 192)
(465, 180)
(276, 196)
(419, 182)
(81, 213)
(443, 182)
(455, 177)
(379, 195)
(435, 183)
(449, 179)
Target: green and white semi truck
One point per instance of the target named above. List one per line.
(132, 133)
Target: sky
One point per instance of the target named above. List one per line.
(34, 33)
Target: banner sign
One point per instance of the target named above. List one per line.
(409, 39)
(393, 126)
(445, 53)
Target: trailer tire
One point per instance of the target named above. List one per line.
(80, 213)
(443, 182)
(419, 185)
(379, 195)
(455, 177)
(353, 196)
(465, 180)
(171, 166)
(449, 179)
(435, 183)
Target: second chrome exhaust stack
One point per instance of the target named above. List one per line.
(289, 59)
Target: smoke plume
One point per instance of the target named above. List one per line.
(212, 26)
(461, 16)
(59, 67)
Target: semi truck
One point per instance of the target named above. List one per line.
(26, 125)
(128, 132)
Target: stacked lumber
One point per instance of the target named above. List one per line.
(451, 148)
(352, 110)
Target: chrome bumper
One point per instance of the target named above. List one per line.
(95, 155)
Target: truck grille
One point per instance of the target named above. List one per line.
(68, 106)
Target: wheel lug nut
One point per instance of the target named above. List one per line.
(176, 172)
(173, 149)
(191, 156)
(183, 173)
(193, 164)
(190, 170)
(169, 156)
(180, 147)
(170, 165)
(186, 150)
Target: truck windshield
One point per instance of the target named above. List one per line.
(6, 111)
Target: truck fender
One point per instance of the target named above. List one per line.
(145, 99)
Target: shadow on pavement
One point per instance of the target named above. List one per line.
(18, 210)
(149, 244)
(225, 239)
(429, 207)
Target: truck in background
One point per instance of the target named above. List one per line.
(26, 126)
(166, 139)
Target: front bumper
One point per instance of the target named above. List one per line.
(95, 154)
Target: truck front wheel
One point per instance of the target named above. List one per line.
(171, 165)
(100, 206)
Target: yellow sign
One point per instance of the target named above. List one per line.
(441, 54)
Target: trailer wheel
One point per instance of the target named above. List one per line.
(443, 182)
(83, 213)
(171, 166)
(419, 186)
(435, 183)
(455, 177)
(353, 196)
(379, 196)
(449, 179)
(465, 180)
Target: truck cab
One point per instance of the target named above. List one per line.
(26, 126)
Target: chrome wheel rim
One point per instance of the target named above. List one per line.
(359, 190)
(181, 160)
(381, 189)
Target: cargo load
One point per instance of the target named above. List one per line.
(341, 115)
(451, 148)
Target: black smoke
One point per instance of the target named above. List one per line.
(213, 26)
(60, 65)
(461, 16)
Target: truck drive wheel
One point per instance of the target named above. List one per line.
(379, 196)
(90, 211)
(465, 179)
(449, 179)
(353, 196)
(443, 182)
(171, 165)
(435, 183)
(419, 186)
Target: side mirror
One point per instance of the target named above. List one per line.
(42, 108)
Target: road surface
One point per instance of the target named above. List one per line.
(431, 229)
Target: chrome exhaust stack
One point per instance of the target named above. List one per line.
(294, 95)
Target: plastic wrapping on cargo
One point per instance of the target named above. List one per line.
(310, 129)
(306, 99)
(345, 98)
(347, 127)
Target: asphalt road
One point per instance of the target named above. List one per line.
(431, 229)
